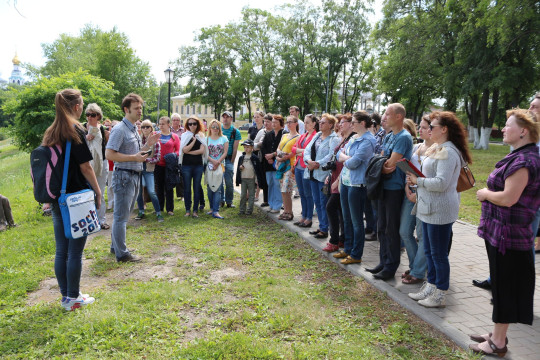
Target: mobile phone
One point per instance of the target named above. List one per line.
(147, 152)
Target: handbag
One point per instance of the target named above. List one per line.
(466, 179)
(327, 187)
(78, 209)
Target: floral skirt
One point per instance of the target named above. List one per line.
(287, 182)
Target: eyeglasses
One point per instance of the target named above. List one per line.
(192, 124)
(432, 126)
(91, 114)
(146, 127)
(291, 122)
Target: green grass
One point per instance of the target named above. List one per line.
(242, 288)
(483, 164)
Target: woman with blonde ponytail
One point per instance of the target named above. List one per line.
(68, 259)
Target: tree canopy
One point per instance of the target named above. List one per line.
(106, 54)
(292, 57)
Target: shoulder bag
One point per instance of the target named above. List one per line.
(78, 209)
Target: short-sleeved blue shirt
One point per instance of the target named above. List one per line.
(400, 143)
(125, 140)
(231, 138)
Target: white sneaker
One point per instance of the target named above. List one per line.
(426, 290)
(71, 304)
(435, 300)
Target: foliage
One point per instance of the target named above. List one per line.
(293, 56)
(34, 104)
(105, 54)
(478, 53)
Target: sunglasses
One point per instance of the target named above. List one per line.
(192, 124)
(214, 127)
(432, 126)
(91, 114)
(146, 127)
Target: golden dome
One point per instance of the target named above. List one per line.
(16, 60)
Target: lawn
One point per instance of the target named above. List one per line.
(243, 288)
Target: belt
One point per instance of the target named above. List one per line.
(132, 172)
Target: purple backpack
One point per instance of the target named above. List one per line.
(46, 168)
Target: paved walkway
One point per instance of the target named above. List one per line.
(468, 310)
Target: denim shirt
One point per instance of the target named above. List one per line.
(322, 156)
(360, 150)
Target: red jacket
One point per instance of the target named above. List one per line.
(302, 142)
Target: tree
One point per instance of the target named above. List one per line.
(34, 108)
(106, 54)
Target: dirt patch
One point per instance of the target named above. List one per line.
(161, 265)
(49, 291)
(220, 276)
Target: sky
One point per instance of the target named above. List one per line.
(156, 29)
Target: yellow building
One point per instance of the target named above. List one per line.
(178, 105)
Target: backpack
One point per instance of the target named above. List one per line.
(46, 169)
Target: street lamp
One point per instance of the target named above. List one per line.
(169, 73)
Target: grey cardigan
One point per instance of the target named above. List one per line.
(437, 197)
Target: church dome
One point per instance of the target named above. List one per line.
(16, 60)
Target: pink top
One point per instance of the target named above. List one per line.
(173, 145)
(302, 142)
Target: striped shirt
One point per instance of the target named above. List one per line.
(510, 227)
(125, 140)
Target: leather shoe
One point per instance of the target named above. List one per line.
(129, 258)
(321, 235)
(482, 284)
(383, 275)
(265, 204)
(314, 232)
(375, 270)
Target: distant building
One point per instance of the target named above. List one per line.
(16, 75)
(178, 105)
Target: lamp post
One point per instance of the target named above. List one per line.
(169, 73)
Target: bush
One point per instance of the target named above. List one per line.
(34, 109)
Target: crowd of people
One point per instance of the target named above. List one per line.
(328, 162)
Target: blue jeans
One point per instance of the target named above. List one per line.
(68, 258)
(352, 206)
(436, 240)
(192, 172)
(304, 190)
(415, 251)
(147, 180)
(320, 203)
(125, 186)
(227, 196)
(274, 191)
(214, 197)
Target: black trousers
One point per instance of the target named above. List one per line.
(162, 194)
(389, 214)
(335, 219)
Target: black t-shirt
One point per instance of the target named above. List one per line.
(193, 159)
(80, 153)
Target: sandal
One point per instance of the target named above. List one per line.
(195, 215)
(409, 279)
(282, 216)
(405, 274)
(494, 350)
(288, 216)
(480, 338)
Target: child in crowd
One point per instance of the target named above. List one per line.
(249, 173)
